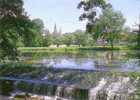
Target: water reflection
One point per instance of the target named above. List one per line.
(94, 60)
(69, 63)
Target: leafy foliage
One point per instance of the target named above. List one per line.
(90, 11)
(109, 25)
(57, 40)
(14, 23)
(81, 38)
(47, 40)
(68, 39)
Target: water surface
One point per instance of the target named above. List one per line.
(91, 60)
(86, 75)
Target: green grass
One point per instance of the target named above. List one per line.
(46, 49)
(69, 49)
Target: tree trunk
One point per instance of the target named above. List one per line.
(79, 45)
(112, 45)
(57, 45)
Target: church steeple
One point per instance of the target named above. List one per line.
(55, 30)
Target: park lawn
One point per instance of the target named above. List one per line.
(69, 49)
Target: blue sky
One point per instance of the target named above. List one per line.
(65, 14)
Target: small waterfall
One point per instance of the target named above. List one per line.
(109, 89)
(59, 92)
(93, 92)
(116, 87)
(55, 92)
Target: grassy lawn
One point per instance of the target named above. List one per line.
(69, 49)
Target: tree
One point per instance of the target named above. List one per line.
(138, 34)
(68, 39)
(48, 38)
(109, 25)
(14, 23)
(90, 11)
(127, 37)
(39, 27)
(39, 24)
(80, 38)
(57, 41)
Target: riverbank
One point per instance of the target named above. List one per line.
(71, 49)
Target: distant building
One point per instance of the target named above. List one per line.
(57, 33)
(55, 30)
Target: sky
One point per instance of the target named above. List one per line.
(64, 13)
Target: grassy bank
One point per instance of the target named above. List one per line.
(70, 49)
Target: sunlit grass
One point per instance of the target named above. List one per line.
(70, 49)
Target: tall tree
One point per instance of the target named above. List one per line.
(48, 38)
(39, 24)
(14, 23)
(90, 11)
(109, 25)
(39, 27)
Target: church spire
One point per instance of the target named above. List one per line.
(55, 30)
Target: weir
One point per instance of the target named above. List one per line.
(109, 88)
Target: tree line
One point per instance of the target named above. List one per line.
(108, 29)
(107, 25)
